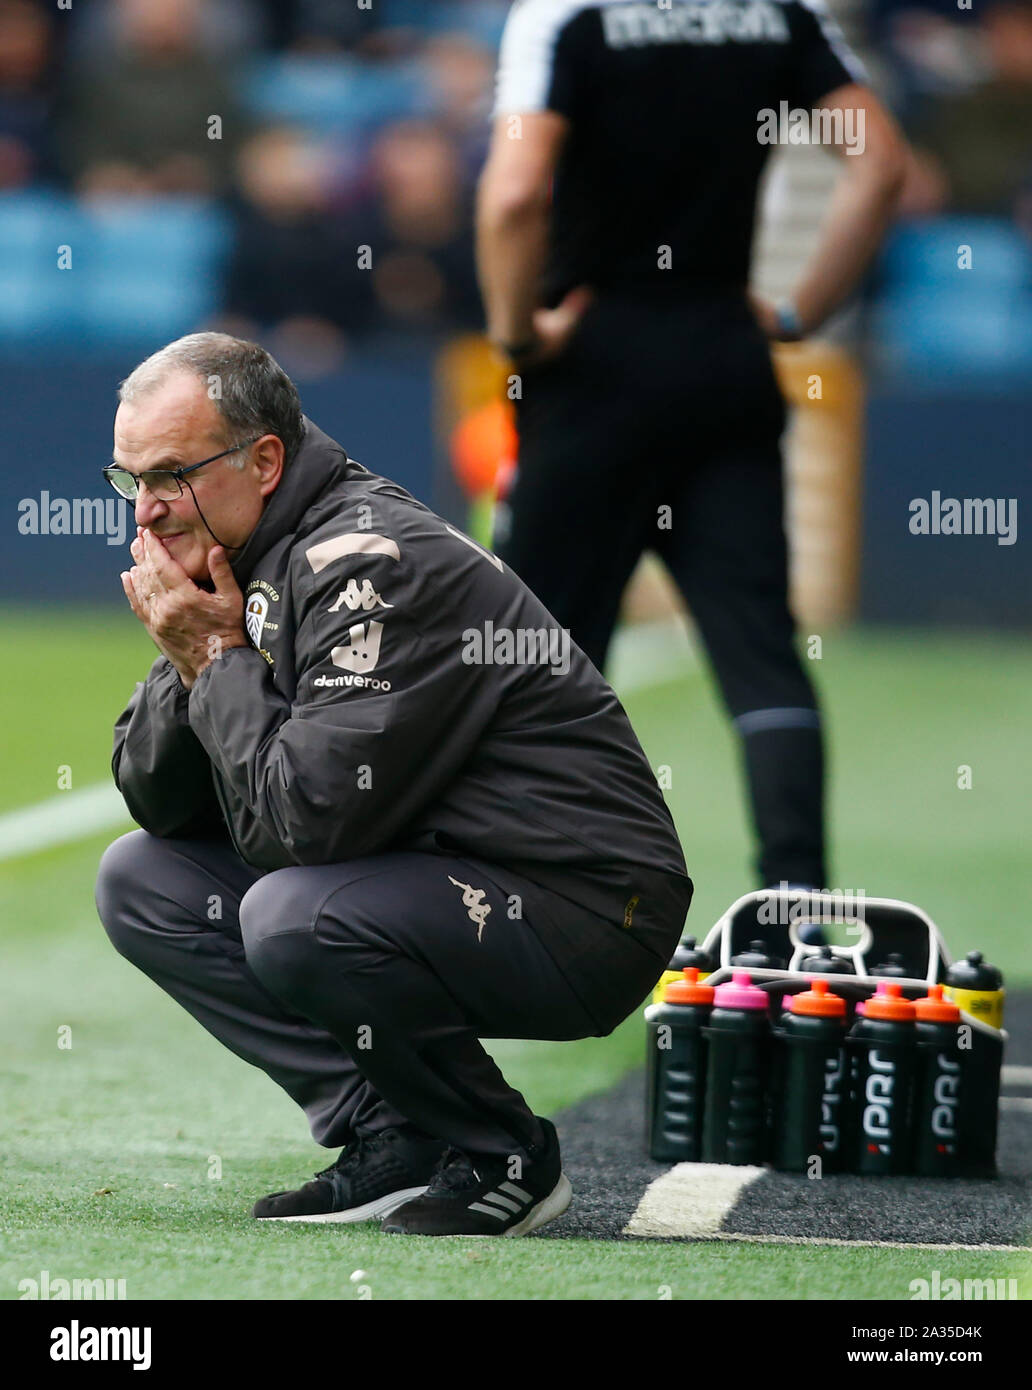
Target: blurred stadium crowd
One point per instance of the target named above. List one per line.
(341, 126)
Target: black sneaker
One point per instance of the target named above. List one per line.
(473, 1195)
(373, 1175)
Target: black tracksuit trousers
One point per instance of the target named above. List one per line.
(658, 429)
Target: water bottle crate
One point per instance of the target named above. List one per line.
(913, 1088)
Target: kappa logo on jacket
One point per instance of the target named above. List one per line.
(362, 649)
(472, 899)
(355, 596)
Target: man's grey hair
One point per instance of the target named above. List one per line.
(250, 389)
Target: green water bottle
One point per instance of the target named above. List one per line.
(758, 957)
(810, 1110)
(738, 1037)
(824, 961)
(881, 1046)
(938, 1086)
(976, 987)
(686, 956)
(892, 968)
(676, 1069)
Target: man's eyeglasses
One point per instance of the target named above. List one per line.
(165, 484)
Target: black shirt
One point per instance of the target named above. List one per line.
(657, 179)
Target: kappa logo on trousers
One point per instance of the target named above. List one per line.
(472, 899)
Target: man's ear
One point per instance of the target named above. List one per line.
(267, 456)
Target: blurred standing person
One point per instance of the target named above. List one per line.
(417, 225)
(976, 142)
(397, 265)
(650, 416)
(138, 120)
(26, 81)
(459, 74)
(322, 26)
(292, 272)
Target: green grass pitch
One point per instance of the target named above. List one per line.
(137, 1152)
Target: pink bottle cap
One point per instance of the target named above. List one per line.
(739, 993)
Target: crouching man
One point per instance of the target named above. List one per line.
(421, 827)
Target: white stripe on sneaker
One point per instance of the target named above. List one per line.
(506, 1202)
(547, 1210)
(516, 1191)
(488, 1211)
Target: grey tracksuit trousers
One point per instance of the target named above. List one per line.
(361, 988)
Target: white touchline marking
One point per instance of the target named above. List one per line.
(71, 815)
(1016, 1076)
(868, 1244)
(1016, 1102)
(646, 654)
(691, 1200)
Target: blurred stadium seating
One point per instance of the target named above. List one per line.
(250, 235)
(944, 323)
(140, 271)
(333, 95)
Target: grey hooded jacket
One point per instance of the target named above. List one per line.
(404, 690)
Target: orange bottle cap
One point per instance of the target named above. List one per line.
(688, 990)
(933, 1008)
(818, 1000)
(888, 1003)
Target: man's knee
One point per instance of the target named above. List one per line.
(125, 867)
(277, 926)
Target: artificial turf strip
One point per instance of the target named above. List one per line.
(202, 1256)
(75, 673)
(152, 1142)
(144, 1097)
(904, 710)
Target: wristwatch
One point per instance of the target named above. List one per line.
(790, 328)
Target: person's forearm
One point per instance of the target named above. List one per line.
(512, 247)
(862, 209)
